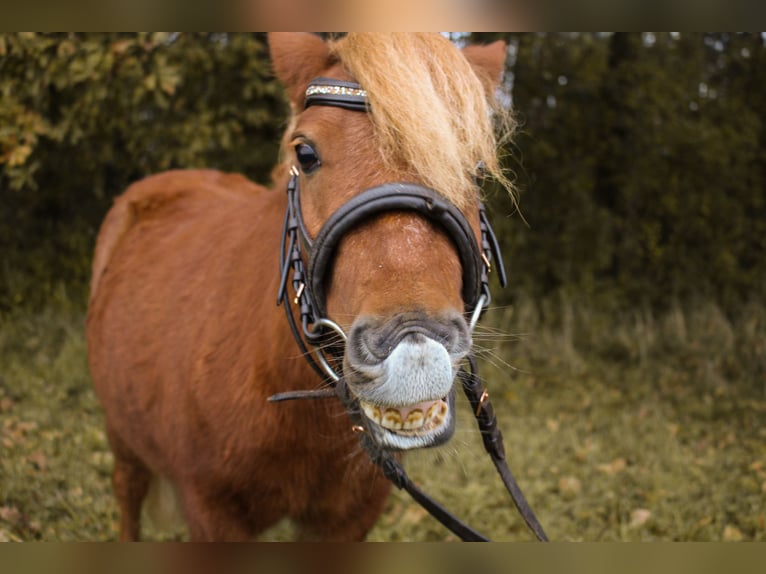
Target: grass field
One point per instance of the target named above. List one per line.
(616, 427)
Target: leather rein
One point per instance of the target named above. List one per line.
(327, 338)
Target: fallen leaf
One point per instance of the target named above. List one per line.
(732, 534)
(9, 514)
(121, 46)
(639, 517)
(569, 487)
(26, 426)
(38, 460)
(6, 536)
(582, 453)
(552, 424)
(617, 465)
(414, 514)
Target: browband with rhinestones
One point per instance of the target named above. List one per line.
(337, 93)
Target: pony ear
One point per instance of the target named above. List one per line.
(297, 58)
(488, 62)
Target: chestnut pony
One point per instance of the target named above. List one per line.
(186, 343)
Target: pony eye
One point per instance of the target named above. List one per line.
(307, 157)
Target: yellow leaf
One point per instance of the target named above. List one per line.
(732, 534)
(414, 514)
(569, 487)
(19, 155)
(639, 517)
(158, 38)
(614, 467)
(9, 514)
(66, 49)
(121, 46)
(38, 460)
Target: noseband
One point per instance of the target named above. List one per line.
(310, 287)
(323, 334)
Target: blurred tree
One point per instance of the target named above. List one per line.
(83, 115)
(640, 157)
(554, 80)
(641, 164)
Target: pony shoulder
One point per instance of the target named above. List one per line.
(155, 196)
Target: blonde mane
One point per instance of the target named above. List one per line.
(431, 115)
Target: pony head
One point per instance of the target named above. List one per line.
(394, 282)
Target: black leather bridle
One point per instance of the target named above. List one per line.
(327, 338)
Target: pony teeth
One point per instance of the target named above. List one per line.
(392, 420)
(372, 412)
(416, 420)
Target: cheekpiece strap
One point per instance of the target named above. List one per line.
(336, 93)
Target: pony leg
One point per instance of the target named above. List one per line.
(214, 516)
(339, 519)
(130, 479)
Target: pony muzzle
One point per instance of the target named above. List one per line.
(403, 372)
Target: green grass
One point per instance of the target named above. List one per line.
(623, 427)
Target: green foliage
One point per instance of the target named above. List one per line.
(640, 157)
(84, 115)
(642, 167)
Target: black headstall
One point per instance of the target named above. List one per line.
(308, 274)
